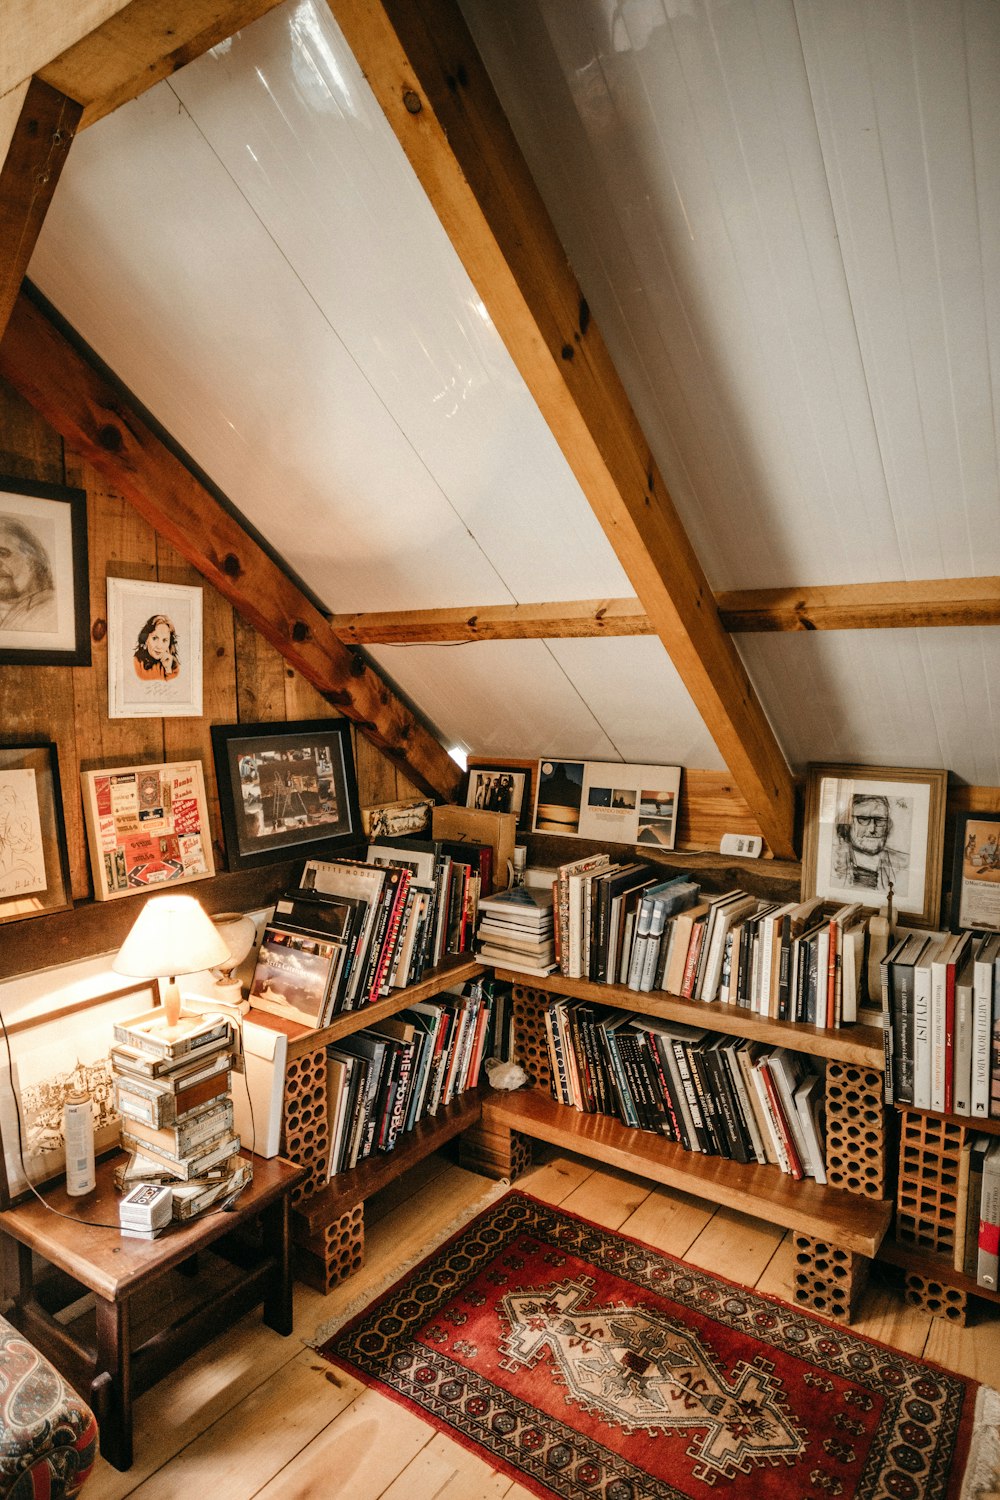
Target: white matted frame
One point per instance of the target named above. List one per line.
(147, 827)
(867, 827)
(51, 1055)
(154, 650)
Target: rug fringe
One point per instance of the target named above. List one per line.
(981, 1480)
(326, 1330)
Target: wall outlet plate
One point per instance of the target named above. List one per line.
(745, 844)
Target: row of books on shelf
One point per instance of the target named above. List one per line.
(624, 924)
(941, 1022)
(354, 930)
(385, 1079)
(717, 1095)
(977, 1216)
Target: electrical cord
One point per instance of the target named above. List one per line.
(227, 1206)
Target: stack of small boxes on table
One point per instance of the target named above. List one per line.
(173, 1095)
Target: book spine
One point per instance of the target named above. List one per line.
(691, 1095)
(922, 1037)
(988, 1260)
(691, 963)
(982, 1006)
(791, 1154)
(901, 982)
(949, 1036)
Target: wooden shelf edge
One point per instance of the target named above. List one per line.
(934, 1267)
(305, 1039)
(847, 1220)
(348, 1188)
(860, 1045)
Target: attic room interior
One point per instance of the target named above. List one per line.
(504, 498)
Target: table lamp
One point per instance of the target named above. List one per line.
(172, 935)
(239, 933)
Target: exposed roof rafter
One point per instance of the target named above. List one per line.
(423, 67)
(842, 606)
(94, 419)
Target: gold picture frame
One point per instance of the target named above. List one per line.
(869, 827)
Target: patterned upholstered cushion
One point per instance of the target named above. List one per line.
(48, 1436)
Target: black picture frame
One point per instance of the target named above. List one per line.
(34, 865)
(975, 873)
(45, 591)
(269, 809)
(520, 798)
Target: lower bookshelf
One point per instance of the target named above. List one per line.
(824, 1213)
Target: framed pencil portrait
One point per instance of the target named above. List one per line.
(44, 587)
(975, 873)
(286, 789)
(869, 828)
(34, 870)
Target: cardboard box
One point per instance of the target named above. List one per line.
(265, 1054)
(476, 825)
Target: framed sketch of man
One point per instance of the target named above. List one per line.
(871, 827)
(154, 650)
(44, 592)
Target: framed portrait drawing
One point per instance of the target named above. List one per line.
(50, 1056)
(503, 786)
(869, 827)
(44, 588)
(154, 650)
(286, 789)
(975, 877)
(147, 827)
(34, 870)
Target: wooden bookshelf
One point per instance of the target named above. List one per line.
(861, 1045)
(305, 1039)
(848, 1220)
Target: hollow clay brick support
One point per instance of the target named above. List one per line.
(530, 1046)
(828, 1281)
(927, 1189)
(937, 1298)
(855, 1130)
(324, 1260)
(495, 1151)
(306, 1127)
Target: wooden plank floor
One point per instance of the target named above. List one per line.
(258, 1415)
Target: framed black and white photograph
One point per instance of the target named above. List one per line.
(975, 878)
(51, 1056)
(558, 796)
(502, 787)
(869, 828)
(34, 869)
(286, 788)
(154, 650)
(44, 588)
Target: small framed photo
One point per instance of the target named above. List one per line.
(154, 650)
(51, 1055)
(44, 587)
(871, 827)
(285, 789)
(147, 827)
(396, 820)
(975, 880)
(34, 870)
(503, 786)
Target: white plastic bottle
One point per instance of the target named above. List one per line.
(78, 1130)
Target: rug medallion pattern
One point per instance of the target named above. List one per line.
(588, 1364)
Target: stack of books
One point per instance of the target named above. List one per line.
(385, 1079)
(712, 1094)
(977, 1210)
(173, 1095)
(516, 930)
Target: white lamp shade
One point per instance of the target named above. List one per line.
(172, 935)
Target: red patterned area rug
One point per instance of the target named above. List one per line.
(593, 1367)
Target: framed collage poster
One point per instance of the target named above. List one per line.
(154, 650)
(147, 827)
(34, 870)
(286, 788)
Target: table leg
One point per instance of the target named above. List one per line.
(276, 1226)
(114, 1359)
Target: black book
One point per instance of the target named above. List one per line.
(705, 1088)
(671, 1126)
(373, 1049)
(607, 1037)
(648, 1064)
(901, 991)
(729, 1110)
(699, 1127)
(680, 1112)
(636, 1079)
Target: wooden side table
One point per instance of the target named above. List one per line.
(110, 1373)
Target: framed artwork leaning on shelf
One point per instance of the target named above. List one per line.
(975, 879)
(869, 827)
(34, 870)
(147, 827)
(44, 580)
(286, 789)
(502, 786)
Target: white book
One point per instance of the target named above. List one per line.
(768, 979)
(982, 1008)
(787, 1073)
(808, 1105)
(729, 911)
(922, 1044)
(939, 1017)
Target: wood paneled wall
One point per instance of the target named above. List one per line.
(245, 679)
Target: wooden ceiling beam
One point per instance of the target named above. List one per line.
(423, 67)
(39, 141)
(98, 423)
(853, 606)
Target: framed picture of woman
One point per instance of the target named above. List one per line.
(154, 650)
